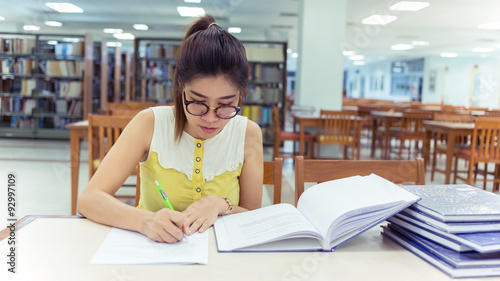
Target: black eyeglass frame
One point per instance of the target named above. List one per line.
(186, 103)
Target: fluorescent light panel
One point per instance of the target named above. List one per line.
(379, 19)
(348, 53)
(491, 25)
(141, 27)
(295, 55)
(113, 44)
(64, 7)
(52, 42)
(357, 57)
(31, 28)
(448, 55)
(53, 23)
(482, 50)
(2, 18)
(192, 1)
(420, 43)
(124, 36)
(402, 47)
(112, 30)
(411, 6)
(234, 30)
(358, 62)
(191, 11)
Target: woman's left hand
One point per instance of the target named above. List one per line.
(202, 214)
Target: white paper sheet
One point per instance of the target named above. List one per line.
(129, 247)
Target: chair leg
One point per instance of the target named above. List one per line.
(485, 175)
(456, 171)
(471, 170)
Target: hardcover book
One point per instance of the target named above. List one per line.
(327, 215)
(456, 203)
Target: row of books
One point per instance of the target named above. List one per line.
(160, 70)
(17, 45)
(21, 66)
(257, 113)
(265, 73)
(25, 106)
(158, 91)
(26, 88)
(259, 94)
(69, 49)
(62, 68)
(161, 51)
(264, 54)
(456, 228)
(21, 122)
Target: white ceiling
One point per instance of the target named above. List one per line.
(448, 25)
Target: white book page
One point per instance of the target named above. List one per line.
(263, 225)
(324, 203)
(128, 247)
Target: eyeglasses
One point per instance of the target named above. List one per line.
(197, 108)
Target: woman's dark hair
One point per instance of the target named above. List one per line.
(208, 51)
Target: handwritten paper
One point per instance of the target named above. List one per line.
(129, 247)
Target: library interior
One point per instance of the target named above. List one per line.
(394, 95)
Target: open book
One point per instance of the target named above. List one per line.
(327, 215)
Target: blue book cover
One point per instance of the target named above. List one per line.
(437, 261)
(454, 227)
(483, 242)
(456, 203)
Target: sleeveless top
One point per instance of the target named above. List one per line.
(191, 168)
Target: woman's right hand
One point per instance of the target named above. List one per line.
(164, 226)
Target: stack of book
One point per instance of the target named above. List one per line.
(456, 228)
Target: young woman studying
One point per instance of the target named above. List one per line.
(207, 158)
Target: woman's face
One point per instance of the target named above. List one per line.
(214, 92)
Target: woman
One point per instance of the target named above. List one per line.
(207, 158)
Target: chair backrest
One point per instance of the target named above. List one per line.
(411, 125)
(103, 132)
(131, 104)
(339, 127)
(454, 117)
(272, 175)
(495, 113)
(124, 111)
(317, 171)
(485, 138)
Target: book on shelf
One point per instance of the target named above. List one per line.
(17, 45)
(483, 242)
(69, 49)
(70, 89)
(265, 54)
(456, 203)
(327, 215)
(453, 265)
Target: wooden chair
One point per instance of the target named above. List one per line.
(103, 132)
(484, 149)
(340, 128)
(131, 104)
(411, 128)
(316, 170)
(272, 175)
(280, 136)
(439, 141)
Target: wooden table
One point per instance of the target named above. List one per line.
(77, 132)
(61, 248)
(387, 118)
(304, 122)
(449, 129)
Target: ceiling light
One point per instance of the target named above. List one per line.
(448, 55)
(141, 27)
(2, 18)
(357, 57)
(64, 7)
(482, 50)
(288, 51)
(420, 43)
(124, 36)
(52, 42)
(31, 28)
(491, 25)
(192, 1)
(113, 44)
(358, 62)
(234, 30)
(402, 47)
(191, 11)
(74, 40)
(295, 55)
(348, 53)
(53, 23)
(112, 30)
(379, 19)
(409, 6)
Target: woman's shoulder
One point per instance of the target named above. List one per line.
(253, 133)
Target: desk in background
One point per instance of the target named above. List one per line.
(387, 118)
(60, 248)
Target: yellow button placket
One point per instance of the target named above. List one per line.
(197, 171)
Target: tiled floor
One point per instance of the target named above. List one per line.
(43, 174)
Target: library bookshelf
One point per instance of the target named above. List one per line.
(42, 83)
